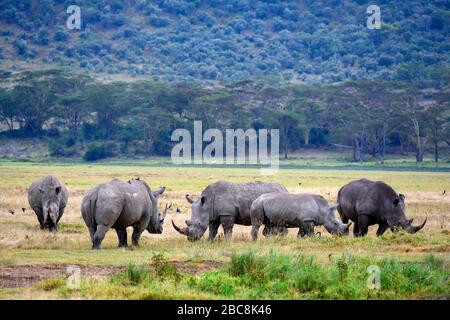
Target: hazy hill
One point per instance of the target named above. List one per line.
(306, 41)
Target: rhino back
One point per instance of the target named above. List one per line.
(292, 209)
(365, 197)
(136, 204)
(108, 205)
(236, 198)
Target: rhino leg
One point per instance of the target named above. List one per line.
(363, 221)
(213, 229)
(137, 231)
(92, 233)
(356, 229)
(255, 229)
(99, 236)
(40, 216)
(227, 225)
(122, 235)
(61, 212)
(306, 229)
(382, 229)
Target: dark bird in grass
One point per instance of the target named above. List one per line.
(11, 211)
(299, 184)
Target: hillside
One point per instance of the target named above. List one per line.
(312, 42)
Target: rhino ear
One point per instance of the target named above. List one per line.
(396, 201)
(58, 190)
(203, 200)
(159, 192)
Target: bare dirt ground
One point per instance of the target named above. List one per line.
(28, 275)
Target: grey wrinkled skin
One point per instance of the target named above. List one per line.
(367, 203)
(303, 211)
(224, 203)
(119, 205)
(48, 199)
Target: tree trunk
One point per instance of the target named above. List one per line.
(354, 144)
(285, 134)
(361, 143)
(383, 145)
(436, 151)
(306, 136)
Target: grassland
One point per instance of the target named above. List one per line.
(412, 266)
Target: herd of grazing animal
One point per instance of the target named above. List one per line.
(119, 204)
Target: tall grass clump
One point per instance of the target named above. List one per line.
(255, 276)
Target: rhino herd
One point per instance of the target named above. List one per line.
(119, 204)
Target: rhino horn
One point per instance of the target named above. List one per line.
(184, 231)
(165, 211)
(189, 199)
(413, 229)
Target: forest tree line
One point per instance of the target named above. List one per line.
(80, 116)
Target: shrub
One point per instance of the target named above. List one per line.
(97, 152)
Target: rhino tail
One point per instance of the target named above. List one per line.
(90, 214)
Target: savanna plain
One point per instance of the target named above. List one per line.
(33, 263)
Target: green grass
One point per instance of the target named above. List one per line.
(274, 276)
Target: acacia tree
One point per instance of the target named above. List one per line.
(35, 102)
(71, 109)
(415, 113)
(108, 102)
(7, 108)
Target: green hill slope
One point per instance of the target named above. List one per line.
(226, 40)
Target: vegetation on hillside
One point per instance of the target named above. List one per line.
(307, 41)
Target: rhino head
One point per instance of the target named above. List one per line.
(50, 204)
(197, 225)
(333, 225)
(156, 221)
(397, 218)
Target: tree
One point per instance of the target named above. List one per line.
(108, 102)
(7, 108)
(35, 99)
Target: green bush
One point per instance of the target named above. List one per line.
(98, 152)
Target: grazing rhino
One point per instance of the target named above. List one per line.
(48, 199)
(225, 203)
(367, 203)
(119, 205)
(303, 211)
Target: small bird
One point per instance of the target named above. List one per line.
(299, 184)
(11, 211)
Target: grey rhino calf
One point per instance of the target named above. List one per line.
(225, 203)
(119, 205)
(48, 198)
(303, 211)
(367, 203)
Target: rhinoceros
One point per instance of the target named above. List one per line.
(367, 203)
(119, 205)
(303, 211)
(48, 198)
(225, 203)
